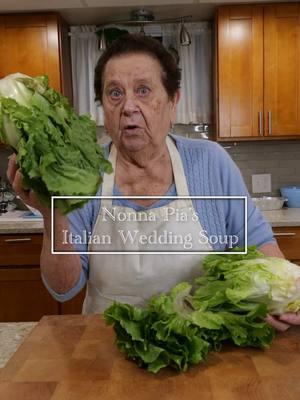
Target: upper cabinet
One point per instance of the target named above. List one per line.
(282, 70)
(240, 71)
(258, 73)
(36, 44)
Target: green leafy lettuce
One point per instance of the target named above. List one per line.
(228, 303)
(238, 282)
(57, 150)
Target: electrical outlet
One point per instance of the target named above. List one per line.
(261, 183)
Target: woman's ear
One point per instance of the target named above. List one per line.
(178, 93)
(176, 98)
(174, 103)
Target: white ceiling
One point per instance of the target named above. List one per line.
(78, 12)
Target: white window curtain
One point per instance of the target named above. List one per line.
(195, 105)
(84, 56)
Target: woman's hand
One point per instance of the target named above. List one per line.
(284, 321)
(28, 196)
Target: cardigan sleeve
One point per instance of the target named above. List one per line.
(259, 231)
(80, 224)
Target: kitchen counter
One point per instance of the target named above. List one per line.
(283, 217)
(10, 227)
(11, 336)
(277, 218)
(19, 222)
(74, 356)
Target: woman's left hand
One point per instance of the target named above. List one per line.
(284, 321)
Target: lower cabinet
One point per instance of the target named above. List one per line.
(288, 239)
(23, 296)
(73, 306)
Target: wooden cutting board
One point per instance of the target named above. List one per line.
(74, 357)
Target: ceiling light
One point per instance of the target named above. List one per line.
(144, 17)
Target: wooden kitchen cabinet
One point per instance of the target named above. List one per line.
(36, 44)
(258, 72)
(282, 70)
(240, 71)
(23, 296)
(288, 239)
(73, 306)
(20, 249)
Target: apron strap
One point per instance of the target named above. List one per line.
(178, 171)
(109, 179)
(177, 166)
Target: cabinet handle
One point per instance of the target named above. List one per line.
(284, 234)
(260, 123)
(17, 240)
(270, 122)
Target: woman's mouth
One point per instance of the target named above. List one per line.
(131, 129)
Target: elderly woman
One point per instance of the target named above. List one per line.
(137, 82)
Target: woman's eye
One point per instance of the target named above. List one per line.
(115, 93)
(143, 90)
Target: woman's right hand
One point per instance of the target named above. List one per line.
(29, 197)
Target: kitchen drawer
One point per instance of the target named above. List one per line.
(20, 249)
(288, 239)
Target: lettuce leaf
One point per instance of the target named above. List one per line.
(254, 278)
(57, 150)
(227, 304)
(172, 332)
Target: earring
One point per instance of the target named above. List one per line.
(171, 127)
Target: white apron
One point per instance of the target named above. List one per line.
(134, 278)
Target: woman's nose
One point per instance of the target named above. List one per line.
(130, 105)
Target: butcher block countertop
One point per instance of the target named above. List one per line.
(73, 357)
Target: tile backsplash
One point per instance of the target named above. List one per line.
(281, 159)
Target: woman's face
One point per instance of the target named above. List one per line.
(137, 110)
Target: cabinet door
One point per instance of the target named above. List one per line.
(30, 44)
(23, 296)
(240, 71)
(73, 306)
(282, 69)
